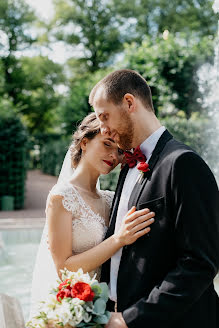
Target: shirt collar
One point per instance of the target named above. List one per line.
(149, 144)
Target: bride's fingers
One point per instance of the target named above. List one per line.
(131, 211)
(135, 214)
(141, 219)
(143, 225)
(142, 232)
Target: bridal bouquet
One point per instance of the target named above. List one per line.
(77, 301)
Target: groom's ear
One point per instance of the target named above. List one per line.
(129, 102)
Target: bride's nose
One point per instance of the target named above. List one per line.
(114, 155)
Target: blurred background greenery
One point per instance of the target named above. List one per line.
(42, 100)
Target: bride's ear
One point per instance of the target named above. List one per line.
(84, 143)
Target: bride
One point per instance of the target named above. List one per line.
(77, 213)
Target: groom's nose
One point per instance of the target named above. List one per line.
(104, 129)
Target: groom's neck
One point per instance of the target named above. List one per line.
(146, 123)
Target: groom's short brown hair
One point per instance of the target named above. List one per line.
(120, 82)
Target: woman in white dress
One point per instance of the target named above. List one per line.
(77, 213)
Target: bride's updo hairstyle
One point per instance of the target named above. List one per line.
(88, 128)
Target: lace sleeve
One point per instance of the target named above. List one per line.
(70, 199)
(108, 195)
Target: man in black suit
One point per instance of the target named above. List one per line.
(164, 279)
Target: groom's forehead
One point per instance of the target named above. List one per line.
(100, 98)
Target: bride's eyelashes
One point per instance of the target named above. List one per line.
(120, 151)
(107, 145)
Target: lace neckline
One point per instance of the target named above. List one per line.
(86, 206)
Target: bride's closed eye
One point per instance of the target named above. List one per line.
(107, 144)
(120, 151)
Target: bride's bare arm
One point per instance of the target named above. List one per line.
(135, 225)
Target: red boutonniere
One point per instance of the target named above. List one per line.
(143, 167)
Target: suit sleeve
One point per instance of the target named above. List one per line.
(195, 199)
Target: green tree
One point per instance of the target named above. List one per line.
(39, 97)
(16, 18)
(188, 16)
(75, 105)
(170, 67)
(91, 25)
(152, 17)
(29, 82)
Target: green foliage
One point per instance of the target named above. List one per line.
(109, 181)
(15, 18)
(29, 82)
(152, 17)
(13, 163)
(39, 99)
(188, 16)
(75, 107)
(31, 86)
(52, 155)
(92, 24)
(170, 67)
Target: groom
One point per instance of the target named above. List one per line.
(164, 279)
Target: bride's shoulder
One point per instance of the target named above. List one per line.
(61, 190)
(108, 196)
(65, 195)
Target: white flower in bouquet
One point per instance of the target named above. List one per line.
(63, 312)
(78, 276)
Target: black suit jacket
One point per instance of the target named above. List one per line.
(166, 277)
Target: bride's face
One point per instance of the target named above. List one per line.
(101, 153)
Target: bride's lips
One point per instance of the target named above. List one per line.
(108, 163)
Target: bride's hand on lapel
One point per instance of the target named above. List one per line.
(135, 225)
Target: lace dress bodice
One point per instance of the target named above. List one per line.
(88, 227)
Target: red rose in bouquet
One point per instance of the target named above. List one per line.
(82, 291)
(64, 290)
(65, 284)
(60, 295)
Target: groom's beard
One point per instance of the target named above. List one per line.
(126, 132)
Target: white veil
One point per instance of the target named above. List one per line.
(44, 274)
(66, 171)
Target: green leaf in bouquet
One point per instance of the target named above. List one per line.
(42, 315)
(96, 289)
(99, 306)
(88, 306)
(105, 291)
(103, 319)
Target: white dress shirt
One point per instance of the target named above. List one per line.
(147, 148)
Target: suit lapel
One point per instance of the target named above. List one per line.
(116, 200)
(139, 186)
